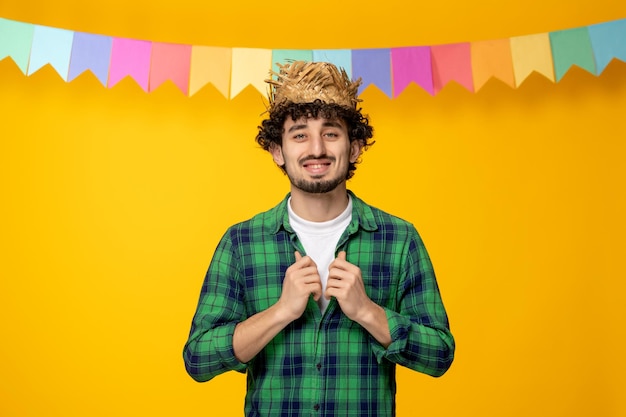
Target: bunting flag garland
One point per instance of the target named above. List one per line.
(392, 70)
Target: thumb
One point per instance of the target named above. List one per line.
(342, 255)
(298, 256)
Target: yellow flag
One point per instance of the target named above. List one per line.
(532, 53)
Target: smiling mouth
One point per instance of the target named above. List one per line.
(317, 166)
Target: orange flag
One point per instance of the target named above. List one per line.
(210, 65)
(492, 59)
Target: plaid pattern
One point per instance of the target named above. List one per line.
(321, 365)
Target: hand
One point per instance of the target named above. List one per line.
(345, 283)
(301, 281)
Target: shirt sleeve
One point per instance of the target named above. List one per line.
(419, 327)
(209, 349)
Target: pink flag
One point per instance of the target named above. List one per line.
(452, 62)
(130, 57)
(412, 64)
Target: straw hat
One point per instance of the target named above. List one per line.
(305, 82)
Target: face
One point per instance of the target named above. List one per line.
(316, 153)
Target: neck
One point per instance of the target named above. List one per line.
(319, 207)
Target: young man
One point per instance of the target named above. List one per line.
(320, 297)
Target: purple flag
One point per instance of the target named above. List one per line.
(374, 67)
(91, 52)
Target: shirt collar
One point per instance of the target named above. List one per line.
(362, 216)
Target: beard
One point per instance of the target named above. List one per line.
(317, 185)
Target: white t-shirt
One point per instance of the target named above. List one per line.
(319, 240)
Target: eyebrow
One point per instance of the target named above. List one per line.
(328, 123)
(332, 123)
(296, 127)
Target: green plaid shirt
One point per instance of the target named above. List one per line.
(321, 365)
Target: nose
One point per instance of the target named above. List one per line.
(317, 147)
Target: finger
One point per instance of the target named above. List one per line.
(298, 256)
(310, 273)
(334, 274)
(338, 271)
(316, 292)
(339, 261)
(331, 292)
(336, 281)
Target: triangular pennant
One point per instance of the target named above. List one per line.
(51, 46)
(210, 65)
(374, 67)
(412, 64)
(16, 39)
(250, 67)
(93, 53)
(452, 62)
(531, 53)
(130, 57)
(608, 41)
(492, 59)
(571, 47)
(170, 62)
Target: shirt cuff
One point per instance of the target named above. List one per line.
(399, 331)
(223, 340)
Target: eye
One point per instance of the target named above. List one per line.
(331, 135)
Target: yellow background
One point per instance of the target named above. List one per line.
(113, 201)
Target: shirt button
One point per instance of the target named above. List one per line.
(318, 366)
(316, 407)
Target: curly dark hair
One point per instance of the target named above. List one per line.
(271, 129)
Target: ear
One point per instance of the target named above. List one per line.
(355, 150)
(277, 154)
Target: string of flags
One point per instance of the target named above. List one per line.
(231, 70)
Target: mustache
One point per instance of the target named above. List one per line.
(313, 157)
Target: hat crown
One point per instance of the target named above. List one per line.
(305, 82)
